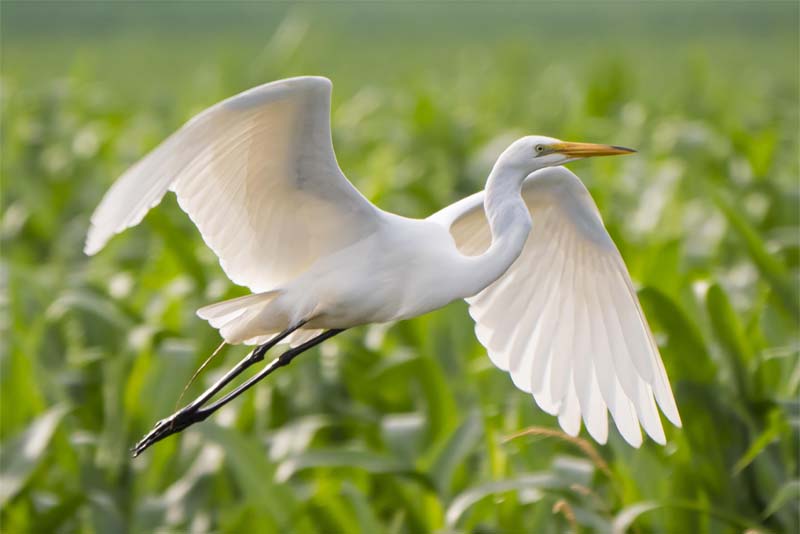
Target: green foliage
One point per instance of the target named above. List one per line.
(408, 428)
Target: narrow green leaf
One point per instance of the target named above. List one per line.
(20, 456)
(453, 451)
(106, 515)
(403, 433)
(685, 349)
(367, 520)
(254, 473)
(328, 508)
(465, 500)
(729, 332)
(624, 519)
(87, 302)
(179, 246)
(788, 493)
(777, 426)
(366, 460)
(441, 404)
(771, 269)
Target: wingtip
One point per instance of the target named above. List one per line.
(93, 244)
(313, 79)
(670, 411)
(675, 419)
(599, 433)
(634, 439)
(570, 430)
(661, 439)
(90, 249)
(569, 425)
(324, 79)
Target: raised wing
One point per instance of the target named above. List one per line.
(258, 176)
(564, 319)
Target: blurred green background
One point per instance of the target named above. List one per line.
(405, 429)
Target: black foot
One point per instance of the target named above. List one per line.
(166, 427)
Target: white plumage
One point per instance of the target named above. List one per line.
(551, 297)
(579, 341)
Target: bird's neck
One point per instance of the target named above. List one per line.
(509, 222)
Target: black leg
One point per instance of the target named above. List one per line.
(256, 355)
(194, 412)
(284, 359)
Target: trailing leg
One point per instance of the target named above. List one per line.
(194, 412)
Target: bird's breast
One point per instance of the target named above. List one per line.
(394, 274)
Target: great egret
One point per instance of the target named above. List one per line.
(554, 306)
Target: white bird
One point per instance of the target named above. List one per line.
(550, 295)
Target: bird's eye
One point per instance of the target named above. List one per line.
(539, 149)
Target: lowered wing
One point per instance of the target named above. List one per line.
(564, 320)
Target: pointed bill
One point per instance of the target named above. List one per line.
(587, 150)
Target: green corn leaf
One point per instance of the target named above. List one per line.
(254, 473)
(347, 458)
(777, 427)
(685, 350)
(729, 332)
(21, 455)
(771, 269)
(788, 493)
(461, 504)
(624, 519)
(453, 451)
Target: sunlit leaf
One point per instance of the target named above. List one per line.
(253, 472)
(730, 334)
(625, 518)
(21, 454)
(462, 502)
(788, 493)
(87, 302)
(106, 516)
(777, 427)
(366, 460)
(455, 449)
(772, 270)
(367, 520)
(687, 350)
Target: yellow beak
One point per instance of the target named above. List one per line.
(587, 150)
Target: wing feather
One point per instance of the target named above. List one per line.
(564, 320)
(569, 417)
(258, 176)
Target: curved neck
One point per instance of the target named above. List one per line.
(509, 222)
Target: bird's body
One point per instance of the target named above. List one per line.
(548, 289)
(404, 268)
(390, 271)
(389, 275)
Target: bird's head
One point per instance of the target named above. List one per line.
(535, 152)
